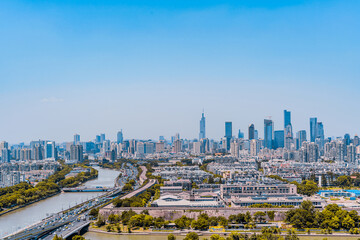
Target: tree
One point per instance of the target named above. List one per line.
(100, 222)
(307, 187)
(171, 237)
(271, 215)
(260, 216)
(192, 236)
(291, 235)
(113, 218)
(78, 237)
(118, 228)
(200, 224)
(94, 212)
(344, 181)
(348, 222)
(109, 228)
(183, 222)
(247, 217)
(222, 221)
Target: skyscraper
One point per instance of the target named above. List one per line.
(287, 118)
(228, 129)
(279, 139)
(251, 131)
(268, 133)
(202, 127)
(102, 137)
(76, 153)
(301, 137)
(313, 129)
(240, 134)
(228, 134)
(50, 150)
(76, 139)
(120, 138)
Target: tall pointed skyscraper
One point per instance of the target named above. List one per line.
(202, 127)
(120, 137)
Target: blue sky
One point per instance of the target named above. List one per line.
(150, 67)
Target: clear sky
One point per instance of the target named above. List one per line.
(150, 67)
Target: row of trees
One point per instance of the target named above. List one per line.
(266, 234)
(332, 217)
(78, 179)
(203, 222)
(24, 192)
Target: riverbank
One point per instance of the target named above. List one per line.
(80, 180)
(35, 212)
(27, 204)
(95, 234)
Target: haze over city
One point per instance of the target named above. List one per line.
(151, 67)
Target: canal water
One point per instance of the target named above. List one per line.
(31, 214)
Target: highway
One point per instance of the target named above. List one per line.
(67, 222)
(71, 221)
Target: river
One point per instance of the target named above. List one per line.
(33, 213)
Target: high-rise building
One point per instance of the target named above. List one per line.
(120, 138)
(234, 148)
(76, 153)
(351, 154)
(288, 137)
(102, 137)
(356, 140)
(38, 152)
(25, 154)
(228, 129)
(287, 118)
(50, 150)
(76, 139)
(254, 147)
(97, 139)
(301, 137)
(279, 139)
(5, 155)
(202, 133)
(268, 133)
(160, 147)
(256, 134)
(340, 152)
(240, 134)
(177, 146)
(313, 129)
(228, 134)
(309, 152)
(251, 131)
(347, 139)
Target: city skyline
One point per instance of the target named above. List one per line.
(76, 72)
(314, 130)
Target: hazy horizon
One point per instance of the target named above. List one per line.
(149, 68)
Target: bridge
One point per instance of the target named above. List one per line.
(151, 183)
(88, 189)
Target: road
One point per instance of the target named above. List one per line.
(68, 221)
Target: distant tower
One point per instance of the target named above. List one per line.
(287, 118)
(202, 133)
(313, 129)
(251, 132)
(76, 139)
(228, 134)
(268, 133)
(120, 138)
